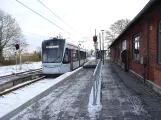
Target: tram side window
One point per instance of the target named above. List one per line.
(69, 55)
(81, 55)
(75, 55)
(85, 55)
(66, 56)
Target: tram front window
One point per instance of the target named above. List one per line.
(52, 51)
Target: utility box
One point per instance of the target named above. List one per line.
(143, 60)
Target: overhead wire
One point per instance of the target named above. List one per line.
(42, 17)
(55, 14)
(35, 34)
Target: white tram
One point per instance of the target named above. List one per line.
(59, 56)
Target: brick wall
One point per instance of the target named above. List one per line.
(147, 28)
(155, 68)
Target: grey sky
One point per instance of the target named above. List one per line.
(83, 15)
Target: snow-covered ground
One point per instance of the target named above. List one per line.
(15, 99)
(7, 70)
(66, 102)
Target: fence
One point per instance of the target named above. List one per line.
(96, 81)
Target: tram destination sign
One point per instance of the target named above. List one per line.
(53, 46)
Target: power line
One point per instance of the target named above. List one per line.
(35, 34)
(55, 14)
(42, 16)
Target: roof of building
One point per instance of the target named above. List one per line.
(150, 5)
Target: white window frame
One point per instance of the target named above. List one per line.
(136, 56)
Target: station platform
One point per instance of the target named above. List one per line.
(91, 64)
(68, 101)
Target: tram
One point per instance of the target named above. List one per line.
(60, 56)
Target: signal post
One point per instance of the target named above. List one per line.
(17, 46)
(95, 44)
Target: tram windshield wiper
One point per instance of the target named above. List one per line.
(56, 58)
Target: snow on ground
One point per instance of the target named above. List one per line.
(63, 102)
(95, 109)
(7, 70)
(15, 99)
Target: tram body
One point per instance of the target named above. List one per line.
(59, 56)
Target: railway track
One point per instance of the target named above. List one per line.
(20, 74)
(13, 88)
(18, 79)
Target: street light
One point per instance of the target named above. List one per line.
(103, 44)
(100, 46)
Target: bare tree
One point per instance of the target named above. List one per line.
(116, 29)
(10, 34)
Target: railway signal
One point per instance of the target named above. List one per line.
(95, 38)
(17, 46)
(18, 51)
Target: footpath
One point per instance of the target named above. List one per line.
(126, 98)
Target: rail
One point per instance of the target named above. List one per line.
(21, 85)
(96, 81)
(20, 73)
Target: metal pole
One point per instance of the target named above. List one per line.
(103, 46)
(16, 60)
(100, 46)
(20, 54)
(95, 50)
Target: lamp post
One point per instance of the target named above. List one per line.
(100, 46)
(103, 44)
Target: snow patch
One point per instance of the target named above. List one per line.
(95, 109)
(8, 70)
(62, 101)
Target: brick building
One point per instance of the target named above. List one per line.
(142, 38)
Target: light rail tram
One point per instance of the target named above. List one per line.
(60, 56)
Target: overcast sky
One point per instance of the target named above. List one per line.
(82, 15)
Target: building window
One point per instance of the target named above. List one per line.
(159, 45)
(136, 47)
(117, 51)
(124, 45)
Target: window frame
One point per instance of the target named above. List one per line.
(138, 46)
